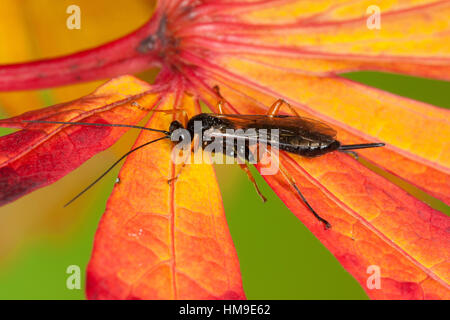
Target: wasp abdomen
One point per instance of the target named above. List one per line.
(309, 148)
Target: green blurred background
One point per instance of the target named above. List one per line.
(279, 257)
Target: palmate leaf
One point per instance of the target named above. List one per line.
(374, 221)
(258, 51)
(41, 154)
(41, 34)
(164, 241)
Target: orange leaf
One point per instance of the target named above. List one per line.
(291, 11)
(38, 34)
(373, 221)
(164, 241)
(415, 132)
(352, 36)
(41, 154)
(257, 50)
(325, 37)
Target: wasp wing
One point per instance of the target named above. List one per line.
(301, 127)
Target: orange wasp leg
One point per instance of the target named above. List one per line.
(137, 105)
(194, 147)
(252, 179)
(243, 166)
(173, 111)
(193, 144)
(276, 106)
(185, 121)
(221, 101)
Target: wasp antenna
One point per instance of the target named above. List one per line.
(111, 167)
(96, 124)
(361, 146)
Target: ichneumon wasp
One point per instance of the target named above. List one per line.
(298, 135)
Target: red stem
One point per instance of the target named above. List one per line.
(123, 56)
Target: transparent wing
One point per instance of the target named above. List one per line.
(288, 125)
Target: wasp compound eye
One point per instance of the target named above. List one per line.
(174, 126)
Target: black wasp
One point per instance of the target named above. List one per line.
(296, 134)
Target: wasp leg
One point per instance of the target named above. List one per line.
(137, 105)
(291, 181)
(252, 179)
(173, 111)
(194, 146)
(245, 156)
(221, 101)
(276, 106)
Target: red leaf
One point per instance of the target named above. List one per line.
(361, 114)
(127, 55)
(373, 221)
(298, 35)
(256, 51)
(161, 241)
(40, 154)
